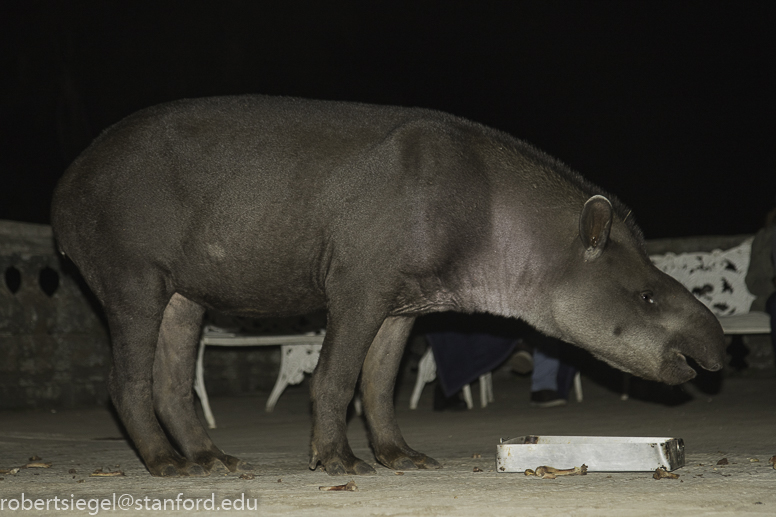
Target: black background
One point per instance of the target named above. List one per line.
(670, 105)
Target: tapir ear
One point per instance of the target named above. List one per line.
(594, 225)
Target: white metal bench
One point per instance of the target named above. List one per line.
(299, 354)
(717, 279)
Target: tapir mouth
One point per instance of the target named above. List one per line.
(677, 370)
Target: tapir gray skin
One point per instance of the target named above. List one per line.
(261, 206)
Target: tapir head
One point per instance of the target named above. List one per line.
(612, 301)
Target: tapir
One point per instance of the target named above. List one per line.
(264, 206)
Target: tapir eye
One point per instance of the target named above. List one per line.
(647, 297)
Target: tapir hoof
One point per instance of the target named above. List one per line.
(358, 468)
(223, 463)
(203, 466)
(404, 458)
(176, 468)
(233, 464)
(338, 466)
(409, 463)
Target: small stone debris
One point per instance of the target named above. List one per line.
(247, 476)
(38, 465)
(545, 472)
(477, 456)
(772, 461)
(478, 469)
(72, 471)
(105, 474)
(350, 486)
(399, 473)
(723, 461)
(35, 457)
(661, 473)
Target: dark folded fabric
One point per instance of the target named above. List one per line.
(462, 357)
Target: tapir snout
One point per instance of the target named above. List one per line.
(697, 334)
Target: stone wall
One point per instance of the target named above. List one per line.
(54, 345)
(53, 348)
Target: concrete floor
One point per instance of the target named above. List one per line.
(739, 424)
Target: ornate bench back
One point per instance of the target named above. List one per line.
(716, 278)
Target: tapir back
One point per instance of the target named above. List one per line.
(249, 201)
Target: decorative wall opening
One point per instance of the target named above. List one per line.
(48, 279)
(13, 279)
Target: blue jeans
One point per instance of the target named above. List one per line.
(546, 365)
(550, 373)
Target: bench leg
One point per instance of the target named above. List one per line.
(295, 361)
(486, 389)
(280, 385)
(426, 374)
(467, 396)
(578, 386)
(199, 387)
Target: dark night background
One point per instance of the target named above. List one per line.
(670, 105)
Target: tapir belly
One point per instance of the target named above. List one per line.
(251, 281)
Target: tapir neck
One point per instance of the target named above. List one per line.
(525, 255)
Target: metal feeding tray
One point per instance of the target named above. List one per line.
(599, 453)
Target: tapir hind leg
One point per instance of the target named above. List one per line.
(134, 309)
(173, 380)
(378, 379)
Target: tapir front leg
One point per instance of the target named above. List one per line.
(348, 336)
(378, 379)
